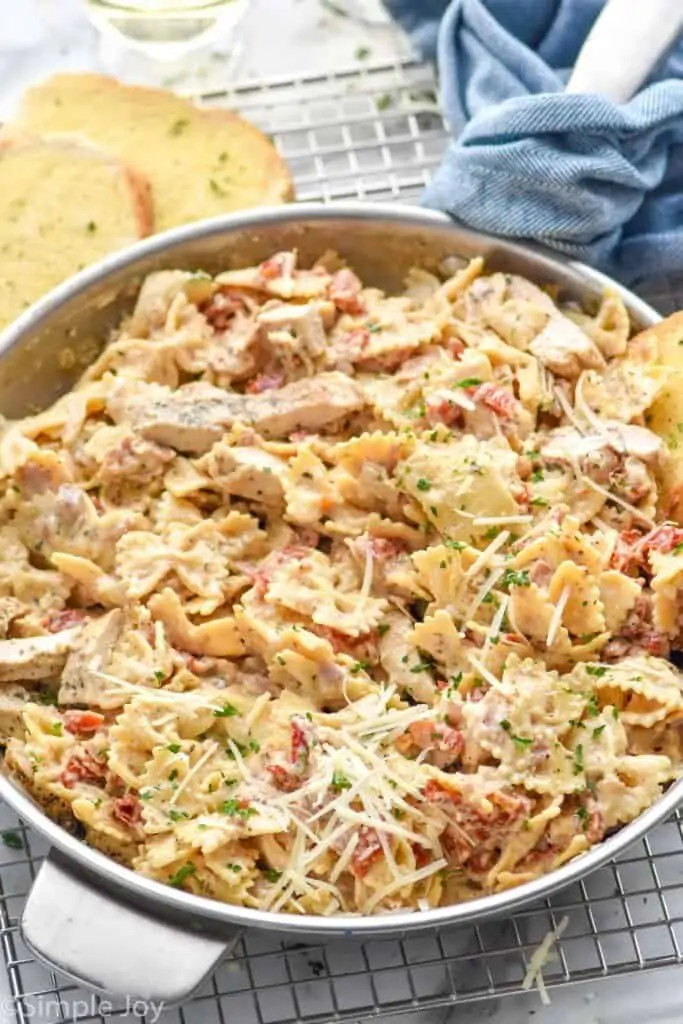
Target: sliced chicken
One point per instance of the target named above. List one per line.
(567, 444)
(190, 419)
(565, 349)
(296, 332)
(13, 700)
(10, 609)
(36, 657)
(308, 404)
(78, 685)
(247, 472)
(195, 416)
(158, 292)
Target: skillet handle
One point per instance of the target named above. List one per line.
(111, 947)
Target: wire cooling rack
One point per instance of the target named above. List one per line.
(377, 134)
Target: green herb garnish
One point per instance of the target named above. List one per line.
(227, 711)
(181, 874)
(578, 759)
(340, 782)
(12, 840)
(514, 578)
(235, 807)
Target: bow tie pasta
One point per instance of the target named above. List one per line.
(328, 601)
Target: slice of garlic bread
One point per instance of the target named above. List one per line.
(63, 205)
(200, 162)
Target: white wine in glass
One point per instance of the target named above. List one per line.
(166, 29)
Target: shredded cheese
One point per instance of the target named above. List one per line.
(487, 554)
(411, 878)
(567, 410)
(196, 768)
(541, 956)
(556, 620)
(489, 583)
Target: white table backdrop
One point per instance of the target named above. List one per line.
(277, 37)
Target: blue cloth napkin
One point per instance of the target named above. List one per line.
(599, 181)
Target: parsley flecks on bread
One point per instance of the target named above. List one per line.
(63, 205)
(200, 162)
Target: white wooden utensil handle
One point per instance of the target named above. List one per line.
(627, 40)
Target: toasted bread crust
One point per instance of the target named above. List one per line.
(46, 233)
(201, 161)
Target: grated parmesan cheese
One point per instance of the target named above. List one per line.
(487, 554)
(541, 956)
(556, 620)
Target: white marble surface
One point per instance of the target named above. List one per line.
(275, 37)
(281, 37)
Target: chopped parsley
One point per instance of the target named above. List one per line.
(514, 578)
(272, 875)
(159, 675)
(384, 101)
(56, 729)
(177, 815)
(539, 502)
(491, 533)
(468, 382)
(521, 742)
(578, 759)
(359, 666)
(227, 711)
(243, 748)
(12, 840)
(454, 682)
(592, 706)
(235, 807)
(422, 666)
(216, 188)
(423, 485)
(174, 748)
(596, 670)
(582, 815)
(181, 874)
(340, 782)
(598, 731)
(455, 545)
(537, 476)
(179, 126)
(383, 628)
(236, 868)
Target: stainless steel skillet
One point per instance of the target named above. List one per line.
(86, 915)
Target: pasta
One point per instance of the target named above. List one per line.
(327, 601)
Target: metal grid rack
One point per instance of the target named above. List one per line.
(376, 134)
